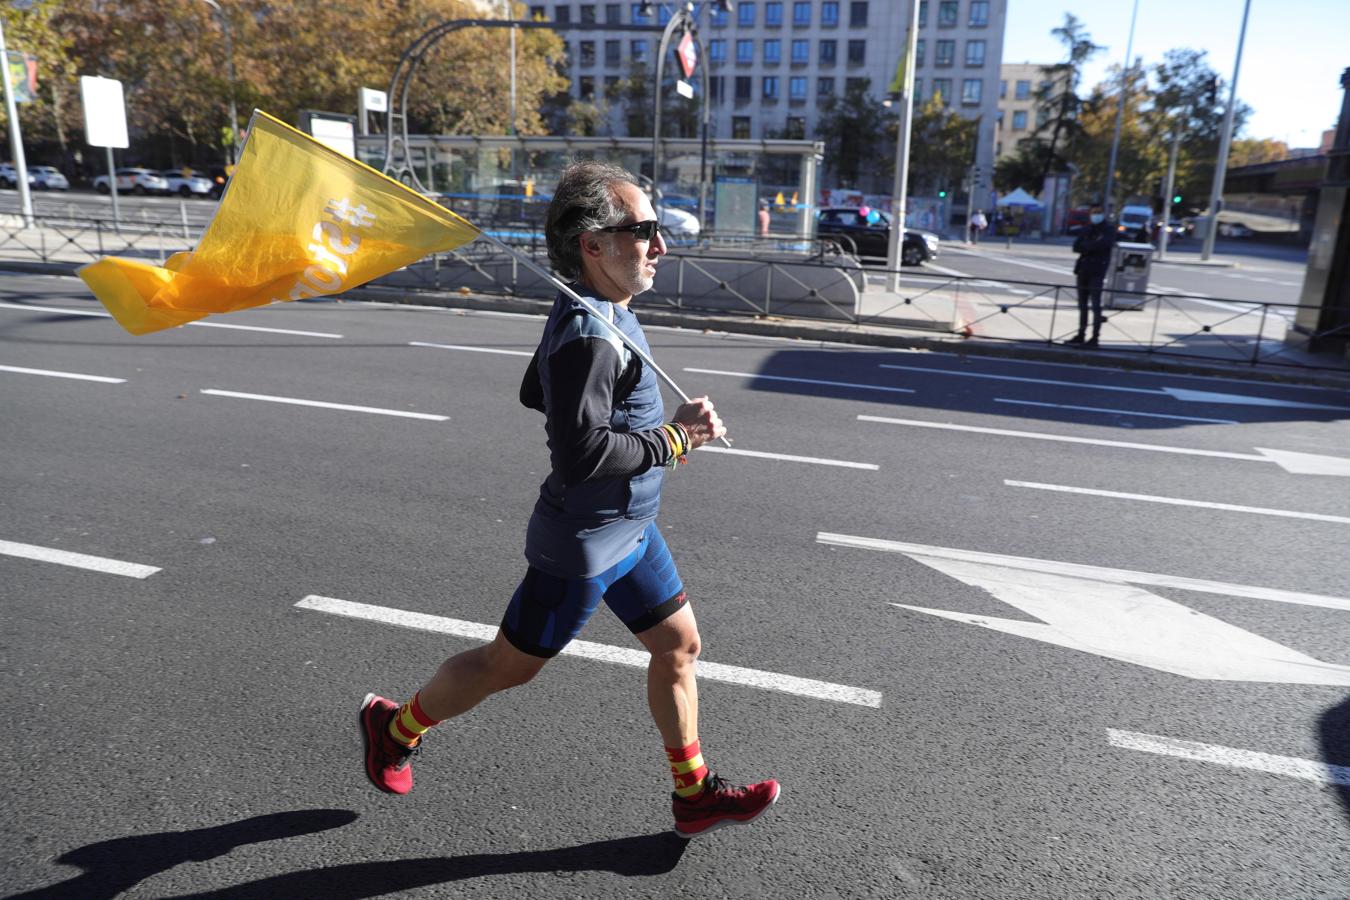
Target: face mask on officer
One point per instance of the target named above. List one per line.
(1097, 218)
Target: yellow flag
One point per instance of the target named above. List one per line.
(298, 220)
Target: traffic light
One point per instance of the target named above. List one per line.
(1176, 199)
(1212, 90)
(942, 193)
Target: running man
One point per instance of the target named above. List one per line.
(593, 533)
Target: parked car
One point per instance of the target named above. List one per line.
(871, 236)
(1135, 223)
(47, 178)
(134, 180)
(1234, 230)
(9, 178)
(188, 183)
(1176, 229)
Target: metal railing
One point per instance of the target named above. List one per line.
(784, 276)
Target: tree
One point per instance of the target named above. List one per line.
(942, 144)
(1250, 151)
(55, 113)
(1062, 109)
(853, 129)
(1141, 160)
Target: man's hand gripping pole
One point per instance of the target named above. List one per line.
(586, 305)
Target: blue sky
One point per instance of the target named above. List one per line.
(1291, 62)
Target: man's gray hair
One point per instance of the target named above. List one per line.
(583, 201)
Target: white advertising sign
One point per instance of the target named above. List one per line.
(105, 112)
(374, 101)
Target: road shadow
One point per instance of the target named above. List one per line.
(111, 867)
(632, 857)
(1333, 731)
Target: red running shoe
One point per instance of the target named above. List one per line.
(722, 804)
(388, 763)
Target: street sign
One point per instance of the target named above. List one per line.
(105, 112)
(684, 89)
(688, 54)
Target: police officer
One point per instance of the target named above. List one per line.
(1094, 248)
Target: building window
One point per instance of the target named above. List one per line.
(918, 88)
(1019, 120)
(745, 13)
(801, 53)
(538, 14)
(567, 53)
(740, 128)
(801, 13)
(613, 13)
(825, 87)
(717, 51)
(773, 52)
(745, 51)
(797, 89)
(852, 85)
(919, 47)
(638, 17)
(586, 87)
(942, 87)
(588, 14)
(974, 53)
(949, 13)
(971, 90)
(773, 13)
(979, 13)
(829, 13)
(827, 52)
(562, 15)
(1042, 117)
(923, 13)
(613, 53)
(719, 18)
(796, 128)
(715, 88)
(1003, 90)
(770, 87)
(745, 86)
(637, 51)
(588, 53)
(946, 54)
(1022, 91)
(857, 14)
(857, 53)
(611, 86)
(662, 15)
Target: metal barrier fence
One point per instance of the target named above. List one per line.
(812, 280)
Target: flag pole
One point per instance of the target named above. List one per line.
(586, 305)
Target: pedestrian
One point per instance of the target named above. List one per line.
(978, 223)
(1094, 248)
(593, 533)
(763, 218)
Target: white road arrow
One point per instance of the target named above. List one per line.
(1128, 623)
(1307, 463)
(1190, 396)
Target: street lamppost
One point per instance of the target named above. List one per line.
(900, 192)
(1120, 115)
(16, 138)
(1221, 167)
(682, 21)
(229, 54)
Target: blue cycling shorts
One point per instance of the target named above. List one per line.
(643, 589)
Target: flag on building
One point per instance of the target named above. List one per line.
(298, 220)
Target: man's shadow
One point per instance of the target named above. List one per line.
(1333, 730)
(650, 854)
(111, 867)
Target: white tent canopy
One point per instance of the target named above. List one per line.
(1018, 197)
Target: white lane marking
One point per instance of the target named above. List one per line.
(736, 451)
(1129, 445)
(76, 560)
(1173, 501)
(472, 349)
(104, 315)
(318, 334)
(1307, 463)
(1127, 623)
(1117, 412)
(943, 270)
(19, 370)
(1287, 766)
(1079, 570)
(1058, 270)
(846, 384)
(321, 404)
(1078, 384)
(1190, 396)
(624, 656)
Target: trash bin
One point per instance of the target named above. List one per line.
(1127, 280)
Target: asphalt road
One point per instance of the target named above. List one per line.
(878, 532)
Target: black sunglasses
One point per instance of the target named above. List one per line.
(643, 231)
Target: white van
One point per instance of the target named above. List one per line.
(1136, 224)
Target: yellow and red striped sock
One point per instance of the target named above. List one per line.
(410, 723)
(686, 765)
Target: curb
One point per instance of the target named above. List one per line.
(828, 333)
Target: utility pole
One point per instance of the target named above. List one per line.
(900, 192)
(16, 137)
(1120, 115)
(1167, 191)
(229, 59)
(1221, 166)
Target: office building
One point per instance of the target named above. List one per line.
(1021, 111)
